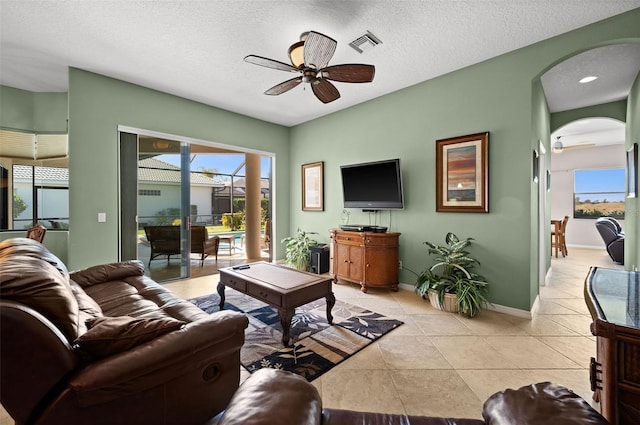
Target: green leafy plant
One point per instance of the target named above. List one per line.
(19, 205)
(233, 221)
(453, 273)
(297, 249)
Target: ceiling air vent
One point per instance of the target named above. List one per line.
(365, 42)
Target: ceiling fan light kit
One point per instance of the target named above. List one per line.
(557, 146)
(310, 57)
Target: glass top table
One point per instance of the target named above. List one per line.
(614, 296)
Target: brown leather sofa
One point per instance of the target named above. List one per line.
(108, 345)
(272, 396)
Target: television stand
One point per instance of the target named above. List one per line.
(367, 258)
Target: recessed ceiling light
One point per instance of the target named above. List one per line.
(588, 79)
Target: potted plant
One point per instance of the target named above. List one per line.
(451, 284)
(297, 250)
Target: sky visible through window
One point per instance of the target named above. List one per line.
(608, 181)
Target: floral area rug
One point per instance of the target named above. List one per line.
(316, 346)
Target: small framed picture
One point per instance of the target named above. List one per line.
(313, 186)
(632, 171)
(462, 174)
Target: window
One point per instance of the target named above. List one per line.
(40, 195)
(149, 192)
(599, 193)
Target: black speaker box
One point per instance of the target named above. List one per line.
(319, 259)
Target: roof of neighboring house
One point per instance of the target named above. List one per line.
(51, 174)
(150, 170)
(154, 170)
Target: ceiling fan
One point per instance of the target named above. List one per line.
(310, 57)
(558, 147)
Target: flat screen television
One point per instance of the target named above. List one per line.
(372, 185)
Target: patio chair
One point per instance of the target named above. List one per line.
(163, 240)
(202, 244)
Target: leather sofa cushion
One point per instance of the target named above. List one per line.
(30, 275)
(540, 404)
(107, 272)
(272, 396)
(111, 335)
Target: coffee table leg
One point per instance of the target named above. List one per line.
(331, 301)
(221, 293)
(285, 320)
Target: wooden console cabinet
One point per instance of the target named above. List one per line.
(613, 298)
(367, 258)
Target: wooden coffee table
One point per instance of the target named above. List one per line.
(280, 287)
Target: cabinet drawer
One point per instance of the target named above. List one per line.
(270, 297)
(349, 240)
(237, 284)
(390, 242)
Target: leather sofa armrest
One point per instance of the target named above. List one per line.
(107, 272)
(272, 396)
(197, 345)
(616, 250)
(540, 404)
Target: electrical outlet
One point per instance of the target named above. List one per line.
(400, 264)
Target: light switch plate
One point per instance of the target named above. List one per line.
(102, 217)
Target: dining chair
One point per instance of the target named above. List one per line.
(564, 235)
(558, 240)
(36, 233)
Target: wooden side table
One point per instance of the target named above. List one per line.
(613, 298)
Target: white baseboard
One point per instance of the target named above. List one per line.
(493, 307)
(601, 247)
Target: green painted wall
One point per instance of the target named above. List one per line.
(97, 106)
(495, 96)
(37, 112)
(616, 110)
(540, 134)
(632, 205)
(501, 95)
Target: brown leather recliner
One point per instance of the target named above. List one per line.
(272, 396)
(612, 236)
(107, 345)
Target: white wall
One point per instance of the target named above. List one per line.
(148, 206)
(580, 232)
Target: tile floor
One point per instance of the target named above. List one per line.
(441, 364)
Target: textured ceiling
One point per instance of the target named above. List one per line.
(195, 49)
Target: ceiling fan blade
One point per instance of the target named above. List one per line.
(325, 91)
(283, 87)
(270, 63)
(586, 145)
(349, 73)
(318, 50)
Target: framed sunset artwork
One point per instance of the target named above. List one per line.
(462, 174)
